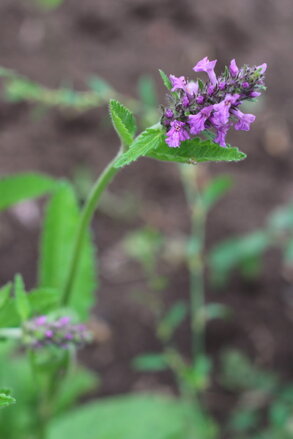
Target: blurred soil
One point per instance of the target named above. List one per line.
(120, 41)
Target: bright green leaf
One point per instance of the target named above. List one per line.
(123, 122)
(60, 228)
(6, 398)
(195, 151)
(43, 300)
(147, 141)
(5, 294)
(21, 299)
(17, 188)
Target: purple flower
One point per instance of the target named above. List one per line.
(205, 65)
(254, 94)
(211, 89)
(41, 320)
(221, 135)
(233, 68)
(185, 101)
(245, 84)
(199, 100)
(222, 85)
(177, 83)
(177, 134)
(222, 110)
(197, 121)
(169, 113)
(244, 120)
(192, 88)
(262, 68)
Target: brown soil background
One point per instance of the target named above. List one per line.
(120, 41)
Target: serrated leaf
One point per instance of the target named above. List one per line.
(5, 294)
(166, 80)
(59, 232)
(6, 398)
(196, 151)
(21, 299)
(147, 141)
(150, 362)
(123, 122)
(17, 188)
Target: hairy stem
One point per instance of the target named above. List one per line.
(86, 216)
(195, 256)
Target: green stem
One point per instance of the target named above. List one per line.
(86, 216)
(195, 257)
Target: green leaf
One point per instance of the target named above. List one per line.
(133, 417)
(123, 122)
(6, 398)
(282, 218)
(75, 385)
(5, 294)
(150, 362)
(43, 300)
(17, 188)
(215, 190)
(60, 228)
(166, 80)
(100, 86)
(196, 151)
(147, 141)
(21, 298)
(172, 320)
(237, 253)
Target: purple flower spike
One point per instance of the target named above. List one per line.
(233, 68)
(177, 134)
(205, 65)
(244, 120)
(197, 121)
(177, 83)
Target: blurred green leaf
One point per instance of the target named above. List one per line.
(243, 420)
(171, 321)
(76, 384)
(100, 86)
(282, 218)
(123, 122)
(43, 300)
(21, 299)
(150, 362)
(50, 4)
(215, 190)
(148, 140)
(59, 232)
(237, 253)
(17, 188)
(238, 372)
(147, 91)
(134, 417)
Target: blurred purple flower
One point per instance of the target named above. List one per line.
(233, 68)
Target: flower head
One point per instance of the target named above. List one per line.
(44, 331)
(213, 105)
